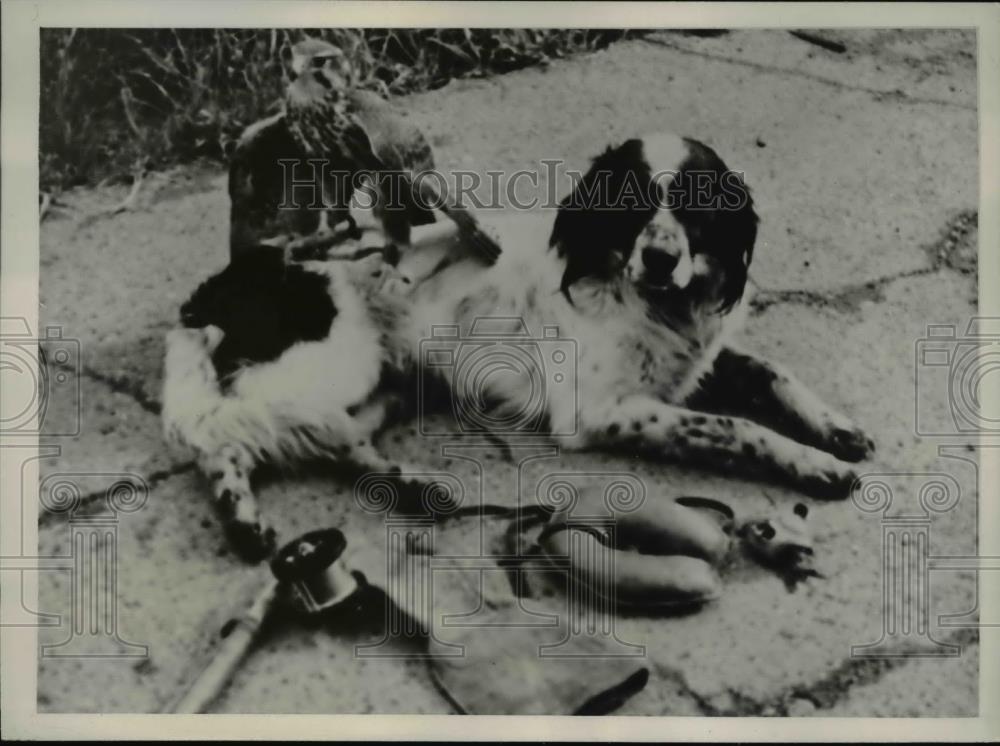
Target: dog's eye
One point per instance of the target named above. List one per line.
(318, 62)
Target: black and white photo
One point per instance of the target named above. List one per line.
(638, 370)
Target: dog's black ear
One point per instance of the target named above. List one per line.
(721, 223)
(733, 233)
(599, 221)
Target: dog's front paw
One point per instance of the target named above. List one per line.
(838, 436)
(831, 481)
(849, 443)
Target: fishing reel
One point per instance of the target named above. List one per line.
(310, 572)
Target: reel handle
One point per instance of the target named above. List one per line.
(312, 568)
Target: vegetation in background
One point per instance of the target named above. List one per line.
(118, 101)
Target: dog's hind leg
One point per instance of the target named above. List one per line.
(765, 392)
(228, 469)
(199, 419)
(658, 429)
(345, 440)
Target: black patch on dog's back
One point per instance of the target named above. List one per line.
(263, 306)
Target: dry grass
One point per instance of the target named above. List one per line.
(114, 100)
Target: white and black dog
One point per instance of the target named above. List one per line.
(643, 279)
(646, 274)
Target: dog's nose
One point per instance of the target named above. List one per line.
(659, 263)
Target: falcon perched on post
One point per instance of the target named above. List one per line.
(348, 131)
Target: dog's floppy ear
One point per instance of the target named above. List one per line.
(738, 230)
(728, 231)
(599, 221)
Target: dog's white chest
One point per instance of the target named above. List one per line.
(714, 334)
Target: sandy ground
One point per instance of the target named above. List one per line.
(864, 167)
